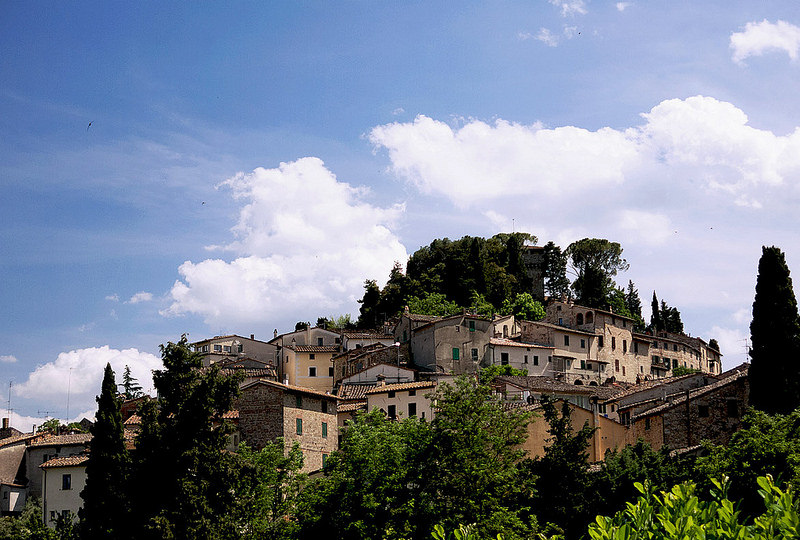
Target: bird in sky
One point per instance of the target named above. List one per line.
(87, 127)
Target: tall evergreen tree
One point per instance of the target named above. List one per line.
(556, 283)
(106, 507)
(130, 385)
(655, 315)
(595, 261)
(775, 335)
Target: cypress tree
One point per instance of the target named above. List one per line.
(105, 511)
(655, 316)
(775, 335)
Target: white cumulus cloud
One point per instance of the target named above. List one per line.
(140, 297)
(305, 242)
(8, 359)
(760, 37)
(570, 7)
(79, 373)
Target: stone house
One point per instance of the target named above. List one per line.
(268, 410)
(649, 394)
(530, 389)
(359, 339)
(574, 357)
(389, 372)
(534, 358)
(46, 447)
(712, 412)
(409, 322)
(354, 361)
(233, 347)
(309, 366)
(456, 344)
(63, 479)
(402, 400)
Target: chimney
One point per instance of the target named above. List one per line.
(381, 380)
(252, 336)
(275, 333)
(5, 423)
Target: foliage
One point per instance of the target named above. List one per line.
(131, 387)
(634, 305)
(433, 304)
(28, 525)
(561, 487)
(481, 306)
(556, 282)
(664, 318)
(489, 373)
(678, 371)
(679, 513)
(339, 322)
(267, 486)
(370, 317)
(370, 484)
(524, 306)
(775, 336)
(594, 261)
(106, 508)
(52, 426)
(766, 444)
(182, 444)
(712, 344)
(300, 325)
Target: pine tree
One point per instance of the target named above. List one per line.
(106, 509)
(131, 386)
(775, 335)
(656, 323)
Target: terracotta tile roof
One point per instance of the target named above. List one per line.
(68, 461)
(315, 348)
(655, 383)
(249, 373)
(231, 415)
(697, 392)
(367, 335)
(351, 407)
(229, 336)
(401, 386)
(61, 440)
(419, 317)
(354, 391)
(511, 343)
(360, 351)
(133, 420)
(10, 459)
(17, 438)
(289, 388)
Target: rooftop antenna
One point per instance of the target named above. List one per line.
(9, 399)
(512, 226)
(69, 386)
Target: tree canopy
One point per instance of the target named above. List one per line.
(775, 336)
(594, 262)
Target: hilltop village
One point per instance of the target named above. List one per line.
(304, 385)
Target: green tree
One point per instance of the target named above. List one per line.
(369, 316)
(53, 426)
(371, 484)
(182, 444)
(712, 344)
(433, 304)
(678, 371)
(594, 262)
(563, 473)
(106, 507)
(634, 305)
(267, 486)
(488, 374)
(525, 307)
(481, 306)
(131, 387)
(656, 324)
(671, 319)
(556, 282)
(775, 337)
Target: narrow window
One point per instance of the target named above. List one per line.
(412, 409)
(319, 342)
(579, 319)
(474, 355)
(324, 460)
(613, 343)
(471, 326)
(583, 364)
(647, 423)
(624, 346)
(240, 348)
(583, 344)
(455, 353)
(324, 430)
(299, 401)
(392, 411)
(66, 482)
(600, 341)
(525, 359)
(535, 360)
(312, 371)
(635, 347)
(623, 371)
(504, 358)
(330, 371)
(324, 406)
(299, 425)
(616, 365)
(566, 341)
(391, 394)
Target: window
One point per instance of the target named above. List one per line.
(583, 344)
(675, 347)
(589, 366)
(566, 341)
(474, 355)
(412, 409)
(647, 423)
(655, 359)
(217, 348)
(299, 401)
(600, 341)
(624, 323)
(702, 411)
(504, 358)
(312, 371)
(205, 348)
(344, 370)
(66, 481)
(616, 365)
(583, 364)
(525, 359)
(623, 371)
(613, 343)
(324, 430)
(641, 369)
(391, 394)
(549, 359)
(330, 371)
(579, 319)
(319, 342)
(674, 363)
(299, 426)
(455, 353)
(624, 346)
(392, 411)
(505, 330)
(52, 515)
(324, 460)
(471, 326)
(239, 348)
(635, 347)
(324, 406)
(405, 335)
(589, 318)
(226, 348)
(535, 360)
(312, 356)
(337, 340)
(412, 393)
(561, 321)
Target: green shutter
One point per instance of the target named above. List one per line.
(455, 353)
(299, 426)
(325, 430)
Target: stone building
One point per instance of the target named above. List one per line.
(354, 361)
(533, 259)
(456, 344)
(402, 400)
(232, 348)
(268, 410)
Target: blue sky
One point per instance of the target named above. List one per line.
(248, 165)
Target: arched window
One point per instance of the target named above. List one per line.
(579, 382)
(593, 383)
(579, 319)
(589, 318)
(505, 330)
